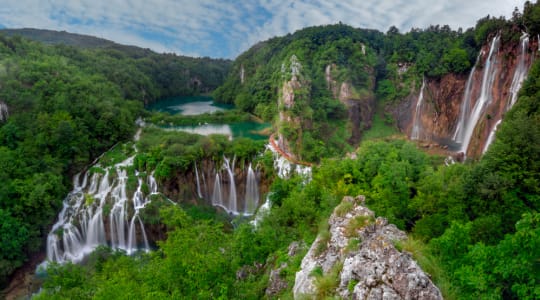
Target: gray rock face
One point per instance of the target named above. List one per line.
(374, 269)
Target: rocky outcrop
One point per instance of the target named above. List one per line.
(372, 268)
(289, 135)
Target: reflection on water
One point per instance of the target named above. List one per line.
(250, 130)
(196, 105)
(205, 129)
(188, 106)
(195, 108)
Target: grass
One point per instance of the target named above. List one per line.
(379, 129)
(353, 245)
(327, 284)
(344, 208)
(116, 155)
(324, 235)
(430, 264)
(357, 223)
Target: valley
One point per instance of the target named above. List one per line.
(315, 165)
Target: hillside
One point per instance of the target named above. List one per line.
(61, 107)
(59, 37)
(344, 78)
(169, 214)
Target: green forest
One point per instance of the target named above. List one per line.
(473, 226)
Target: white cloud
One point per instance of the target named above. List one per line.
(204, 27)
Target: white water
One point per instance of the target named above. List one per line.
(521, 71)
(251, 201)
(224, 192)
(4, 112)
(483, 100)
(81, 228)
(217, 197)
(284, 168)
(417, 123)
(199, 193)
(465, 105)
(262, 212)
(491, 137)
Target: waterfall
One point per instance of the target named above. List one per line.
(521, 71)
(81, 228)
(484, 99)
(465, 105)
(491, 137)
(262, 212)
(227, 197)
(217, 197)
(198, 182)
(4, 112)
(252, 193)
(284, 168)
(231, 207)
(417, 123)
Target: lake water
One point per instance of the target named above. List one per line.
(188, 106)
(196, 105)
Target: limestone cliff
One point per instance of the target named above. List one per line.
(293, 98)
(359, 251)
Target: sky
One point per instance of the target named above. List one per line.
(225, 29)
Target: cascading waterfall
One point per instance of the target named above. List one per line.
(483, 100)
(466, 105)
(491, 137)
(198, 182)
(231, 207)
(217, 197)
(80, 227)
(521, 71)
(252, 192)
(417, 123)
(284, 168)
(224, 193)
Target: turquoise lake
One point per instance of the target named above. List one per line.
(196, 105)
(188, 106)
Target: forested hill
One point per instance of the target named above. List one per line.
(60, 37)
(142, 74)
(350, 77)
(62, 106)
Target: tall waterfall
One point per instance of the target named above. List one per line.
(470, 122)
(81, 223)
(252, 192)
(417, 123)
(225, 194)
(466, 105)
(521, 71)
(229, 167)
(198, 180)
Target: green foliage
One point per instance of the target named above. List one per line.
(327, 284)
